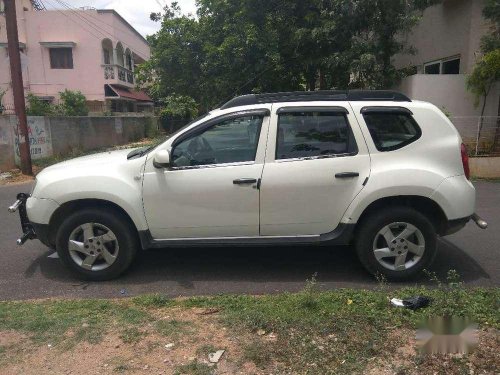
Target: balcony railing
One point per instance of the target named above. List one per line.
(117, 72)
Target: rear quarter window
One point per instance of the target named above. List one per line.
(391, 130)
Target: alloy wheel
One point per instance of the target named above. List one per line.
(93, 246)
(399, 246)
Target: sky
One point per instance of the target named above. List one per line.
(136, 12)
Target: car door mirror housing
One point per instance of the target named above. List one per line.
(162, 159)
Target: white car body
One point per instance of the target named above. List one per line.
(293, 200)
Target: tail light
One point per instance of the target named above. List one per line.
(465, 161)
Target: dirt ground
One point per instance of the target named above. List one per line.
(16, 177)
(148, 354)
(200, 332)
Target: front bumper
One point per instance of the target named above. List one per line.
(27, 228)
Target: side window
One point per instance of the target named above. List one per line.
(313, 134)
(61, 58)
(391, 130)
(229, 141)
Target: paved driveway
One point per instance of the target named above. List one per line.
(26, 272)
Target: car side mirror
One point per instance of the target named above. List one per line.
(162, 159)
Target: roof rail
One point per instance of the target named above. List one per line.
(324, 95)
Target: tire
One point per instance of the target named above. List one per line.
(107, 254)
(371, 244)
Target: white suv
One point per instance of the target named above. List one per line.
(372, 168)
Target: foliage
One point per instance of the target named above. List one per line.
(179, 107)
(491, 41)
(487, 71)
(73, 103)
(237, 47)
(485, 74)
(38, 107)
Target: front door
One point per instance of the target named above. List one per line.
(211, 188)
(316, 164)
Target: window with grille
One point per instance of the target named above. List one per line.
(61, 58)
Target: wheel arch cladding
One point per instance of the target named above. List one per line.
(72, 206)
(424, 205)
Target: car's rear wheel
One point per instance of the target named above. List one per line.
(97, 244)
(398, 242)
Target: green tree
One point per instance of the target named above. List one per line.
(237, 47)
(491, 12)
(486, 72)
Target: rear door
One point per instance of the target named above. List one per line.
(316, 163)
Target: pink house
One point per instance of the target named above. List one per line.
(93, 51)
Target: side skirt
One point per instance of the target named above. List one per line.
(342, 235)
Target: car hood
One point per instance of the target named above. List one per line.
(98, 171)
(102, 159)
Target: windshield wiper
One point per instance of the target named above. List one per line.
(137, 152)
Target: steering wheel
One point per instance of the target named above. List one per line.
(199, 146)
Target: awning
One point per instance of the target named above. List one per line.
(129, 94)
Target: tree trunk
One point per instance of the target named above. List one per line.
(322, 81)
(481, 119)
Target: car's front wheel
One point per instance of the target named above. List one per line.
(96, 244)
(397, 242)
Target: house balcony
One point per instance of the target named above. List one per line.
(116, 74)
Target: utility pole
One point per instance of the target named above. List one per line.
(16, 74)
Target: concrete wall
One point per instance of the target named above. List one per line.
(448, 91)
(86, 133)
(60, 135)
(451, 28)
(485, 167)
(7, 125)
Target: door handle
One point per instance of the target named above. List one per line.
(346, 174)
(244, 181)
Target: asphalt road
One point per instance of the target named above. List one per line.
(28, 273)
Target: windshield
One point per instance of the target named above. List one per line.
(140, 151)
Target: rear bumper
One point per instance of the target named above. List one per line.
(453, 226)
(457, 197)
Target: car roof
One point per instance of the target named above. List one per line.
(323, 95)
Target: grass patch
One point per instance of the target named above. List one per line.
(194, 368)
(131, 335)
(316, 332)
(258, 353)
(205, 350)
(172, 328)
(153, 300)
(121, 368)
(339, 331)
(51, 320)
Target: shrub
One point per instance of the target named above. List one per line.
(73, 103)
(38, 107)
